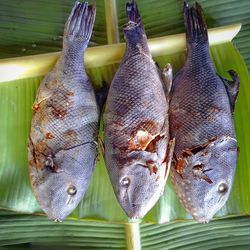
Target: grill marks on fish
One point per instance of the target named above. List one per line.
(59, 106)
(40, 152)
(59, 113)
(59, 101)
(49, 135)
(62, 121)
(70, 134)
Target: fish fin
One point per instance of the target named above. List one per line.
(133, 12)
(167, 77)
(80, 23)
(195, 24)
(158, 68)
(232, 87)
(159, 71)
(101, 95)
(134, 18)
(170, 155)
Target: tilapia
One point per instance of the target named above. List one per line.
(136, 128)
(201, 120)
(63, 139)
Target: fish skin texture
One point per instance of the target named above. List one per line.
(136, 130)
(62, 145)
(201, 121)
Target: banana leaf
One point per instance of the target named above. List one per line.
(36, 232)
(35, 27)
(18, 95)
(29, 28)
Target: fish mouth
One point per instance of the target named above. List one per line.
(57, 220)
(200, 214)
(133, 211)
(136, 213)
(135, 217)
(202, 218)
(203, 215)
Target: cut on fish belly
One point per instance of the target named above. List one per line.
(63, 139)
(201, 120)
(136, 130)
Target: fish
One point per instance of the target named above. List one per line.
(62, 145)
(137, 149)
(201, 121)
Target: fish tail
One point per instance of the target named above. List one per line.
(133, 12)
(134, 18)
(80, 22)
(195, 24)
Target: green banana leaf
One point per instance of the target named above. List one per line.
(36, 232)
(35, 27)
(98, 222)
(18, 95)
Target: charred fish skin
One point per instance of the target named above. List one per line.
(136, 129)
(201, 120)
(62, 146)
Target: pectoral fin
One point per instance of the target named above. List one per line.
(167, 78)
(101, 95)
(232, 87)
(170, 153)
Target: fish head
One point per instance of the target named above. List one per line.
(60, 188)
(139, 186)
(57, 193)
(205, 182)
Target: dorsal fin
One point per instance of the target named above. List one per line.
(232, 87)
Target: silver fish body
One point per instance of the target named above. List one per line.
(136, 128)
(201, 121)
(63, 139)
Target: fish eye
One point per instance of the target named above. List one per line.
(223, 187)
(125, 182)
(71, 190)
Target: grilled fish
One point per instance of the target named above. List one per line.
(201, 120)
(63, 139)
(136, 129)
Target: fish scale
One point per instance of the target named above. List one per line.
(139, 107)
(136, 132)
(135, 84)
(63, 139)
(201, 127)
(201, 121)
